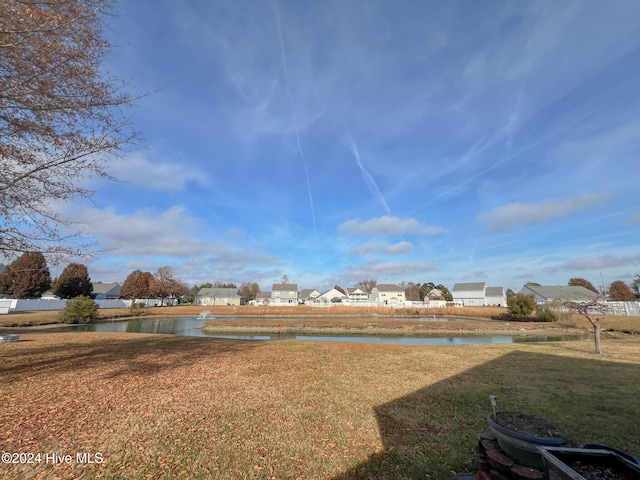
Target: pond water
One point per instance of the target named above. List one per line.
(190, 326)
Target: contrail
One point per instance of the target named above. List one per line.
(293, 114)
(371, 183)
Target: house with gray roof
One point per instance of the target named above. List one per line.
(478, 294)
(387, 294)
(219, 296)
(357, 295)
(309, 295)
(469, 294)
(562, 293)
(284, 294)
(263, 298)
(495, 296)
(105, 291)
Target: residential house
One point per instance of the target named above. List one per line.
(219, 296)
(357, 295)
(470, 294)
(105, 291)
(309, 295)
(262, 298)
(387, 294)
(284, 294)
(332, 296)
(568, 293)
(496, 296)
(435, 301)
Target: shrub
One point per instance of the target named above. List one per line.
(545, 314)
(520, 305)
(79, 310)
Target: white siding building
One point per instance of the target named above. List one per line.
(469, 294)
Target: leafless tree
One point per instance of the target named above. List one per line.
(61, 119)
(366, 285)
(594, 311)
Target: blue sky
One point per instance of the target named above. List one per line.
(341, 140)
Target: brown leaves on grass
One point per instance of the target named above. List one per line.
(187, 408)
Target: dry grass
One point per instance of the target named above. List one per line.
(166, 407)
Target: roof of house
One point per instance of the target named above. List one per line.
(264, 295)
(389, 287)
(335, 292)
(435, 298)
(469, 287)
(306, 292)
(565, 293)
(285, 287)
(218, 292)
(351, 291)
(106, 288)
(494, 291)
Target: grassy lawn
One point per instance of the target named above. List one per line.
(176, 407)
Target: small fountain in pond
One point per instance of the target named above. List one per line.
(205, 314)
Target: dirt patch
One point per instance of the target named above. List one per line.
(591, 471)
(531, 424)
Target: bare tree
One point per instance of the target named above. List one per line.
(591, 310)
(366, 285)
(165, 284)
(61, 118)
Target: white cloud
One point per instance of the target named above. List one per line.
(368, 248)
(387, 225)
(385, 271)
(156, 175)
(399, 248)
(143, 232)
(600, 263)
(517, 214)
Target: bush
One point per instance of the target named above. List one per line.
(545, 314)
(79, 310)
(520, 305)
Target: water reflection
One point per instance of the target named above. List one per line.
(189, 326)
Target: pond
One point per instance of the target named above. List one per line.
(190, 326)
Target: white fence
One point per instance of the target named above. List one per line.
(624, 308)
(41, 304)
(346, 303)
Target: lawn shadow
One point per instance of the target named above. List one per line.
(432, 432)
(142, 355)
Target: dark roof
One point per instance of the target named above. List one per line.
(494, 291)
(218, 292)
(306, 292)
(468, 287)
(389, 287)
(565, 293)
(106, 288)
(285, 287)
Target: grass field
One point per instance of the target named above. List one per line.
(175, 407)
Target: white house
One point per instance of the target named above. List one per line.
(496, 296)
(262, 298)
(284, 294)
(357, 295)
(562, 293)
(309, 295)
(218, 296)
(470, 294)
(387, 294)
(435, 301)
(332, 296)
